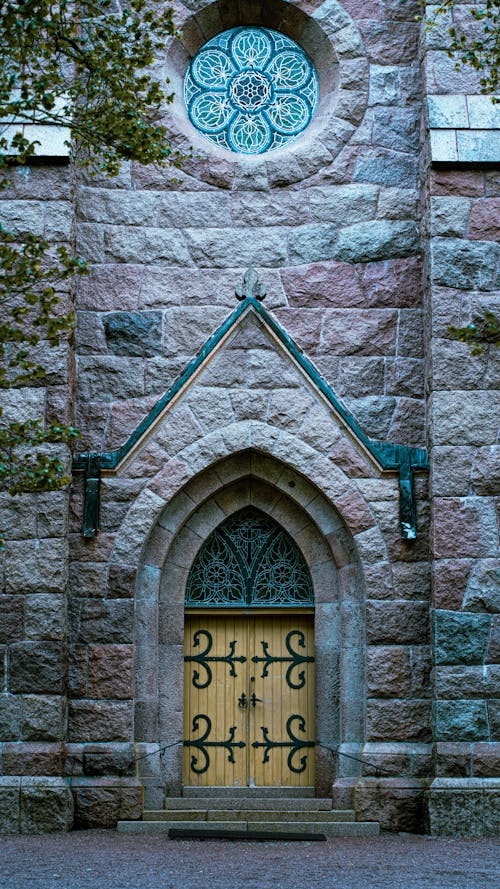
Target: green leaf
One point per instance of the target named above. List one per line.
(84, 66)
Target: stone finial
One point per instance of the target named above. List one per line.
(251, 287)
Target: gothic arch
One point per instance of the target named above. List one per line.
(293, 455)
(225, 487)
(249, 560)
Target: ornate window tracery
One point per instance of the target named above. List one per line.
(251, 90)
(249, 560)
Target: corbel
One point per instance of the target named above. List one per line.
(91, 505)
(407, 498)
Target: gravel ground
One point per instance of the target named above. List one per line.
(98, 859)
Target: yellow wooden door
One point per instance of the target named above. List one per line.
(215, 676)
(281, 724)
(249, 700)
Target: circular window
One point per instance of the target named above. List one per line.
(251, 90)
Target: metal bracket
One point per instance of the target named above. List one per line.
(91, 505)
(407, 500)
(406, 461)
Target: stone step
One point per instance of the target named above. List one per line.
(328, 828)
(248, 792)
(249, 815)
(251, 802)
(150, 828)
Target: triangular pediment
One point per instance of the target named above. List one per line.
(251, 352)
(250, 368)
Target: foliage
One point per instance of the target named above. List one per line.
(480, 52)
(30, 302)
(483, 331)
(24, 465)
(84, 65)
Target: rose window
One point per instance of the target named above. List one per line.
(251, 90)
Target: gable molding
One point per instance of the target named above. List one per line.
(386, 457)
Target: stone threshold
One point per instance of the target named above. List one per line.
(328, 828)
(248, 792)
(271, 816)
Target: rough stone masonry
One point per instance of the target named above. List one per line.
(372, 233)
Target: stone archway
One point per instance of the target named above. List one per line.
(249, 478)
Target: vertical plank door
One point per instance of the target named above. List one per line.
(281, 676)
(215, 677)
(249, 700)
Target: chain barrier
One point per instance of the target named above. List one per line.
(378, 770)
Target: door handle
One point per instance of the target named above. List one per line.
(243, 701)
(254, 699)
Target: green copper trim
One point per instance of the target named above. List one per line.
(110, 459)
(389, 456)
(91, 502)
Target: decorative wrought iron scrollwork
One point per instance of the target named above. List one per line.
(203, 658)
(294, 743)
(202, 743)
(249, 560)
(295, 660)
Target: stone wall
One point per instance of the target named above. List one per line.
(465, 481)
(333, 225)
(463, 411)
(33, 699)
(336, 242)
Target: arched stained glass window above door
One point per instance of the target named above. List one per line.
(251, 90)
(249, 560)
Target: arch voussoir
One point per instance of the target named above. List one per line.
(256, 476)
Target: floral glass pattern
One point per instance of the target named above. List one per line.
(249, 560)
(251, 90)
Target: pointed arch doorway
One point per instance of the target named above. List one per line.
(249, 660)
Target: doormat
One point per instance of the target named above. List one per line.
(186, 833)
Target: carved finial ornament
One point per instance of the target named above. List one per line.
(251, 287)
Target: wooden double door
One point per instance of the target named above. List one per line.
(249, 700)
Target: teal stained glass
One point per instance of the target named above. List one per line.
(251, 90)
(249, 560)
